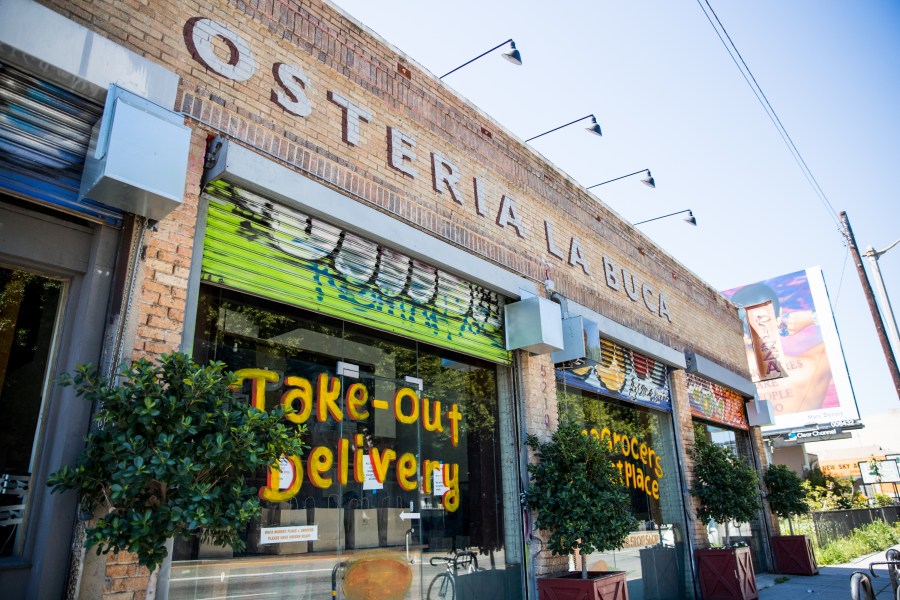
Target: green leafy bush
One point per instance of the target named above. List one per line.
(726, 487)
(786, 496)
(169, 455)
(578, 494)
(873, 537)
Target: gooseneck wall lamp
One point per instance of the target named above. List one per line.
(648, 180)
(512, 55)
(688, 219)
(594, 127)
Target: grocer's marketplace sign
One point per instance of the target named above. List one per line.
(320, 400)
(294, 92)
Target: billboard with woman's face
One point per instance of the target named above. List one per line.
(793, 349)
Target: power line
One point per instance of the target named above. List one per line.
(761, 97)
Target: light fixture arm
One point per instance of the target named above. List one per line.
(509, 41)
(663, 216)
(618, 178)
(870, 251)
(590, 116)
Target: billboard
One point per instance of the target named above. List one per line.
(793, 349)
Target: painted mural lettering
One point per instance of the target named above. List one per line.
(293, 92)
(642, 468)
(320, 400)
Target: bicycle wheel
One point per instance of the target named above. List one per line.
(442, 587)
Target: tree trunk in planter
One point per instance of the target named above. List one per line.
(794, 555)
(600, 585)
(727, 574)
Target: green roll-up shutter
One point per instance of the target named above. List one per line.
(258, 246)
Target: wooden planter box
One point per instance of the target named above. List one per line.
(600, 585)
(727, 574)
(794, 555)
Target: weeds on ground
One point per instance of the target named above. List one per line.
(782, 579)
(870, 538)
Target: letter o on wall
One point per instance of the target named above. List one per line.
(240, 66)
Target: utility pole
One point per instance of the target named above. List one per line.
(887, 311)
(873, 307)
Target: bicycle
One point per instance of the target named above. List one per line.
(443, 586)
(861, 585)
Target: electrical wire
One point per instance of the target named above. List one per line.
(761, 97)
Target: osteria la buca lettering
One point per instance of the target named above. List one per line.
(296, 94)
(320, 401)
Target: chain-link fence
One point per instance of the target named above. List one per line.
(830, 525)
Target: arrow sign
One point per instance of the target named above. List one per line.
(406, 516)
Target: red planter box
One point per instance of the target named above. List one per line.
(600, 585)
(727, 574)
(794, 555)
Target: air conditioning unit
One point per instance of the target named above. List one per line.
(533, 324)
(138, 157)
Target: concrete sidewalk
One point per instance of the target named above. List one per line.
(832, 582)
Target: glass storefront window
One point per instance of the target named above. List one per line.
(394, 479)
(29, 309)
(655, 556)
(750, 533)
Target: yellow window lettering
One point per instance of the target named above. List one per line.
(428, 466)
(258, 390)
(406, 472)
(302, 391)
(272, 492)
(401, 395)
(319, 461)
(454, 415)
(328, 391)
(450, 499)
(431, 415)
(381, 461)
(357, 397)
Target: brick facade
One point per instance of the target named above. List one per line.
(499, 208)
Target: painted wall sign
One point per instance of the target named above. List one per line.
(294, 92)
(324, 400)
(258, 246)
(642, 466)
(714, 402)
(617, 371)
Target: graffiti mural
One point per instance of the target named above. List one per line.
(255, 245)
(617, 371)
(713, 402)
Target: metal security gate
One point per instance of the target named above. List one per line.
(259, 246)
(44, 136)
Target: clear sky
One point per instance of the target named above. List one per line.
(669, 98)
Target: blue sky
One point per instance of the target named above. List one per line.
(669, 98)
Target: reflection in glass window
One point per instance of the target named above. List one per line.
(655, 554)
(29, 304)
(748, 533)
(399, 487)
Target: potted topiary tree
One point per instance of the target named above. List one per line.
(580, 500)
(168, 457)
(793, 553)
(727, 489)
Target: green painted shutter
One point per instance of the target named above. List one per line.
(261, 247)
